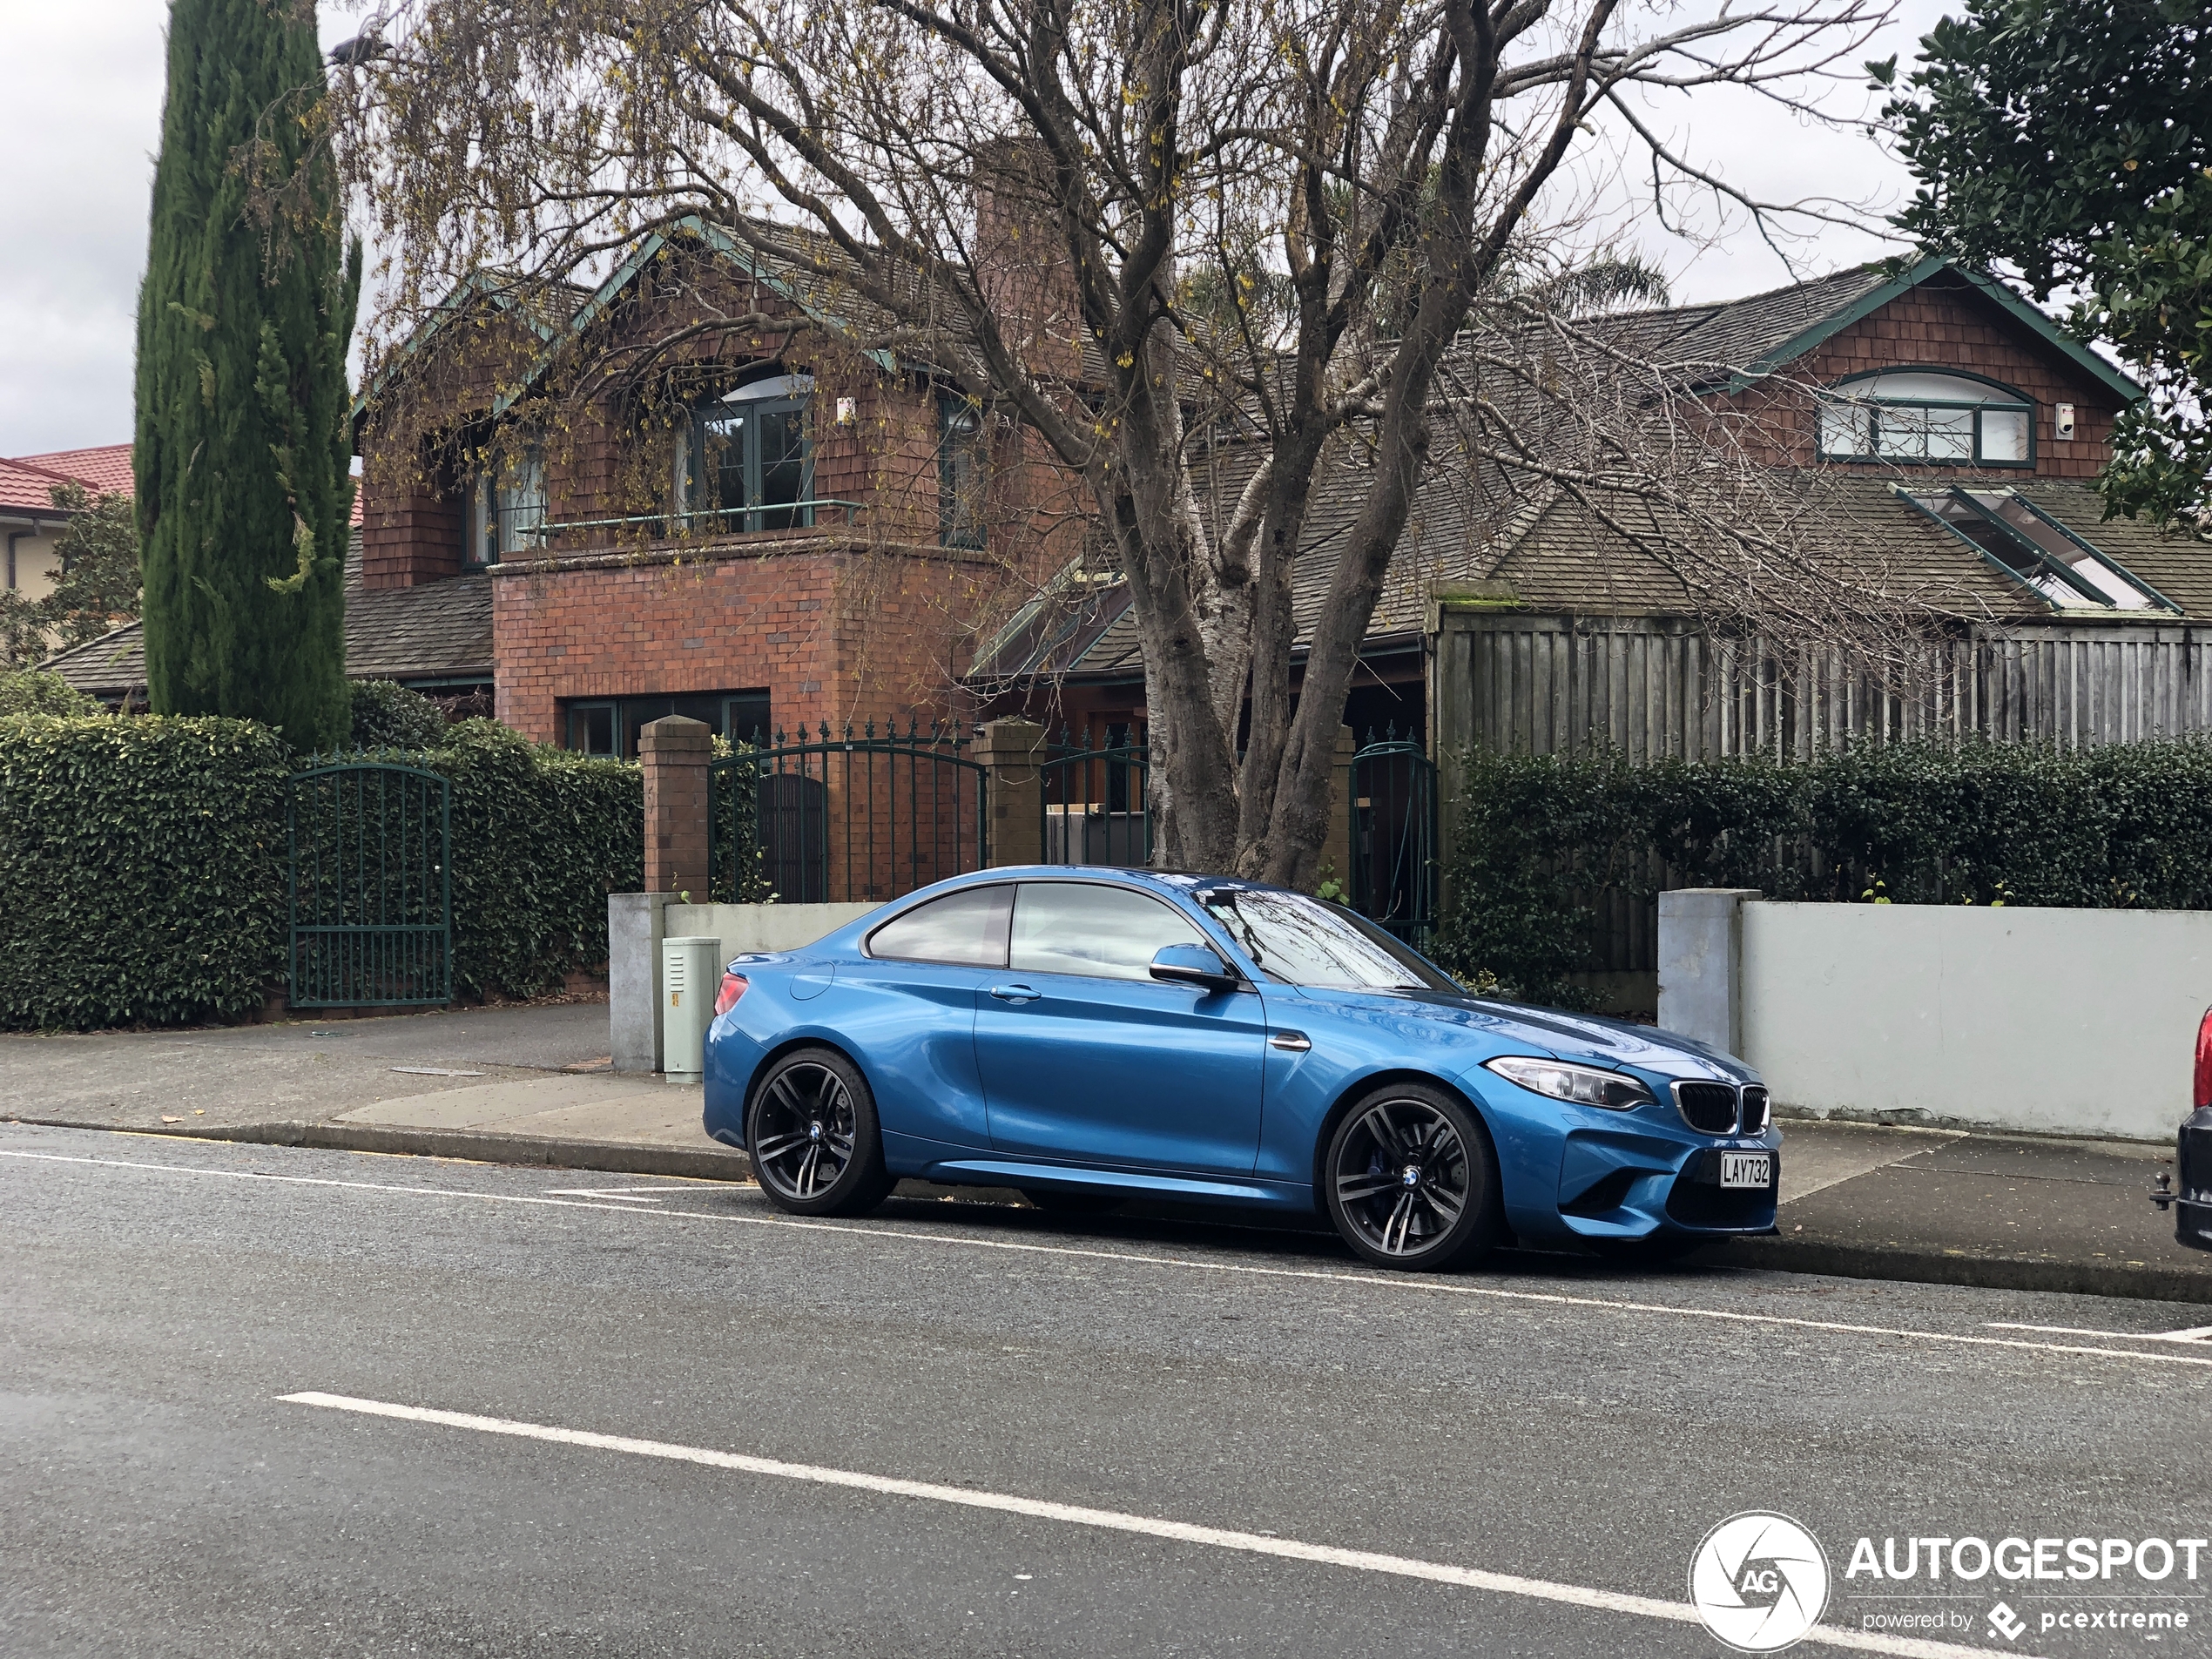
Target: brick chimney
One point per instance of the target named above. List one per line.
(1022, 265)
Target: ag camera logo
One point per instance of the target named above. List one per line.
(1759, 1581)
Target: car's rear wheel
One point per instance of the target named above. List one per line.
(813, 1135)
(1411, 1180)
(1065, 1200)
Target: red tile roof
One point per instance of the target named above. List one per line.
(25, 480)
(104, 471)
(26, 488)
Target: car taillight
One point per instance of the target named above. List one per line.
(733, 986)
(2200, 1096)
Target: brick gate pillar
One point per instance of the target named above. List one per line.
(674, 752)
(1009, 751)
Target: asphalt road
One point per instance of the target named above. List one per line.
(1528, 1455)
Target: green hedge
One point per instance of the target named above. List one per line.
(1541, 839)
(141, 869)
(142, 862)
(541, 836)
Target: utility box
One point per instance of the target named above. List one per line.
(689, 975)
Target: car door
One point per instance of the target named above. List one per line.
(908, 1005)
(1087, 1058)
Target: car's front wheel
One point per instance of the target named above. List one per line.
(1411, 1180)
(811, 1132)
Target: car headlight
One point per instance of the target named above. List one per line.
(1583, 1085)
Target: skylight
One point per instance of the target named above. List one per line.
(2025, 541)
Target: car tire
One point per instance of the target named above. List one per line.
(1411, 1180)
(1064, 1201)
(812, 1133)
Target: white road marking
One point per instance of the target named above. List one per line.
(1117, 1520)
(437, 1071)
(628, 1195)
(2201, 1334)
(1382, 1281)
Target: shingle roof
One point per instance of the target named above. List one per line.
(26, 489)
(439, 631)
(1569, 559)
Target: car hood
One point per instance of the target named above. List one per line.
(1563, 1035)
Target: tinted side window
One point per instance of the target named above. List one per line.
(967, 927)
(1074, 927)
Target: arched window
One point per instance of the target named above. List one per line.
(746, 454)
(1929, 415)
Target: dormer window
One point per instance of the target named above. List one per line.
(746, 463)
(1928, 417)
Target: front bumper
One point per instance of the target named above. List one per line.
(1621, 1184)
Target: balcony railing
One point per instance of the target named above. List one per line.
(769, 516)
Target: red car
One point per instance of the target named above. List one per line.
(2192, 1198)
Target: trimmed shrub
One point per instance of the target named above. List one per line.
(386, 715)
(33, 691)
(142, 866)
(1543, 839)
(541, 836)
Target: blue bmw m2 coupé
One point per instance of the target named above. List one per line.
(1092, 1036)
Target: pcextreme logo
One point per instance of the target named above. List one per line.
(1759, 1581)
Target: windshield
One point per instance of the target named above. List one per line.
(1306, 942)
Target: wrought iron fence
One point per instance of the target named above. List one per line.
(856, 818)
(1093, 804)
(1393, 836)
(370, 848)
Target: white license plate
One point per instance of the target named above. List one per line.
(1746, 1169)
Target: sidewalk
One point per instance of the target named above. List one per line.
(533, 1086)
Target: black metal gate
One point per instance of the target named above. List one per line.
(1094, 805)
(855, 818)
(369, 846)
(1393, 837)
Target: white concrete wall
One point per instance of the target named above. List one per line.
(759, 927)
(2063, 1022)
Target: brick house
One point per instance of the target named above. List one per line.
(1929, 420)
(687, 493)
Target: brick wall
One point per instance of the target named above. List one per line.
(1942, 325)
(834, 630)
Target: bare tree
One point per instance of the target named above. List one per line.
(1145, 225)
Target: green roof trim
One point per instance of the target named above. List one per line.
(2120, 385)
(475, 286)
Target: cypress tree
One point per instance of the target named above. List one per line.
(244, 440)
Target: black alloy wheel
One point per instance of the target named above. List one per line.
(813, 1135)
(1068, 1201)
(1411, 1179)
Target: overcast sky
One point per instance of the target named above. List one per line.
(82, 116)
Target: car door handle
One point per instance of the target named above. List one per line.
(1013, 993)
(1290, 1042)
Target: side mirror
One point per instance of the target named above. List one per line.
(1194, 965)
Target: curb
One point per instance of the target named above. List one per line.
(2143, 1283)
(612, 1157)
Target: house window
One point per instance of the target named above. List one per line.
(960, 472)
(1916, 415)
(746, 463)
(506, 509)
(2030, 545)
(595, 728)
(611, 725)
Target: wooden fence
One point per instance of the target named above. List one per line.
(1654, 687)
